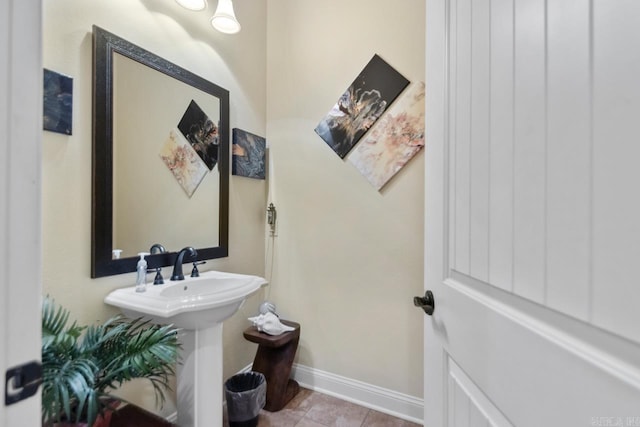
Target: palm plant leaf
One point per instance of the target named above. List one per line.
(79, 369)
(137, 349)
(65, 384)
(54, 326)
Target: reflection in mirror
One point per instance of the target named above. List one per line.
(147, 198)
(139, 101)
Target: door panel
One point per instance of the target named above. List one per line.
(536, 369)
(541, 117)
(529, 150)
(469, 407)
(479, 136)
(568, 159)
(460, 111)
(532, 207)
(501, 128)
(615, 109)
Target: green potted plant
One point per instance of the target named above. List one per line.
(82, 364)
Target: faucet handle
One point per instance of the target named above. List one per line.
(158, 280)
(194, 270)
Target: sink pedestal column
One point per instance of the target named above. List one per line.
(200, 378)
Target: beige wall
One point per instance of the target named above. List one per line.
(347, 258)
(236, 63)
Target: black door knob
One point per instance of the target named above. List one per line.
(427, 303)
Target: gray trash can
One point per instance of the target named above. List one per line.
(246, 395)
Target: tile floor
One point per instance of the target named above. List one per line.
(312, 409)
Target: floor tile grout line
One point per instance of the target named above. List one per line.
(305, 417)
(366, 415)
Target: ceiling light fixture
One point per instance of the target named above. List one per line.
(224, 20)
(193, 4)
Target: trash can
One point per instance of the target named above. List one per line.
(246, 396)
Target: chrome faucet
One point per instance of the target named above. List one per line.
(177, 267)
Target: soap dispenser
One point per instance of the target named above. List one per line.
(141, 276)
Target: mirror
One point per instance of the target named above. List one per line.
(139, 102)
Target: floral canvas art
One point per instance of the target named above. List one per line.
(394, 140)
(183, 162)
(361, 105)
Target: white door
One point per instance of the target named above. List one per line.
(20, 235)
(533, 213)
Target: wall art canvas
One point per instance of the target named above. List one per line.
(394, 140)
(361, 105)
(248, 154)
(57, 102)
(183, 162)
(201, 133)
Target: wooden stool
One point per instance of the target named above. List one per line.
(274, 359)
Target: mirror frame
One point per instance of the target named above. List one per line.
(105, 45)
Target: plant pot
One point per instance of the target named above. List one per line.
(70, 425)
(103, 420)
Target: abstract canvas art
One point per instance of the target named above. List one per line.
(183, 162)
(394, 140)
(57, 102)
(248, 154)
(201, 133)
(361, 105)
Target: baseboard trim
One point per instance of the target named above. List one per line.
(380, 399)
(246, 369)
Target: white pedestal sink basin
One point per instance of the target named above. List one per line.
(199, 305)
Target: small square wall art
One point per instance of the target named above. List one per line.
(248, 154)
(201, 133)
(361, 105)
(394, 140)
(57, 102)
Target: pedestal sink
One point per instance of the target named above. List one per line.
(199, 305)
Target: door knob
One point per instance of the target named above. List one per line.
(427, 303)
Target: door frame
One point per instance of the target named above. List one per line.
(436, 227)
(20, 196)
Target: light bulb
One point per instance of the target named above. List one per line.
(193, 4)
(224, 20)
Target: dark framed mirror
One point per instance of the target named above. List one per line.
(141, 103)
